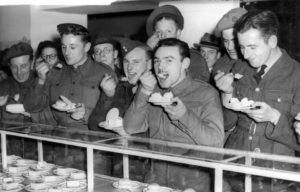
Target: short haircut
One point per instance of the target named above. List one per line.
(167, 18)
(48, 44)
(77, 30)
(184, 50)
(264, 21)
(148, 51)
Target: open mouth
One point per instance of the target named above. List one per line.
(131, 74)
(162, 75)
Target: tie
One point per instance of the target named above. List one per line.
(257, 76)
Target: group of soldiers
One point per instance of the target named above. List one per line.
(202, 81)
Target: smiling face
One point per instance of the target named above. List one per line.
(135, 63)
(167, 28)
(229, 40)
(49, 55)
(74, 49)
(20, 68)
(105, 53)
(210, 55)
(169, 66)
(254, 47)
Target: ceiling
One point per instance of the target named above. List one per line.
(119, 6)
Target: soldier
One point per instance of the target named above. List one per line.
(167, 22)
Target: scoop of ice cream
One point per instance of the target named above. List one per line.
(124, 182)
(246, 103)
(60, 103)
(155, 97)
(238, 76)
(298, 117)
(15, 107)
(189, 190)
(236, 105)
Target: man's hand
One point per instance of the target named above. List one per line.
(120, 130)
(42, 69)
(265, 113)
(153, 40)
(79, 112)
(224, 82)
(175, 112)
(148, 82)
(3, 100)
(108, 85)
(297, 127)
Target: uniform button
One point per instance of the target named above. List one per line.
(257, 150)
(93, 87)
(73, 82)
(257, 89)
(72, 94)
(57, 84)
(278, 100)
(250, 138)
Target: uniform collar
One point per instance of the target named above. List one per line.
(84, 68)
(181, 86)
(26, 83)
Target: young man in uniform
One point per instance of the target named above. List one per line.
(209, 48)
(78, 81)
(271, 80)
(225, 30)
(167, 22)
(196, 118)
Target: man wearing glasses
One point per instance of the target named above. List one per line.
(106, 51)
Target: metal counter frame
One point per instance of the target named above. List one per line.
(218, 165)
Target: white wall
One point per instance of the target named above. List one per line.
(43, 24)
(14, 25)
(201, 17)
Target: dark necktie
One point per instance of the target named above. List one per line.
(257, 76)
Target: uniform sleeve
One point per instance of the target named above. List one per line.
(136, 117)
(205, 126)
(37, 97)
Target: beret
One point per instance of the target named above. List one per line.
(16, 51)
(105, 38)
(128, 45)
(209, 41)
(163, 11)
(228, 20)
(62, 28)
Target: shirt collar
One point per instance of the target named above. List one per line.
(84, 68)
(181, 86)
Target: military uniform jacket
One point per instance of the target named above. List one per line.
(12, 87)
(201, 124)
(279, 88)
(80, 85)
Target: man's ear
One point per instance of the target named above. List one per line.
(186, 63)
(149, 64)
(87, 47)
(272, 42)
(178, 34)
(116, 53)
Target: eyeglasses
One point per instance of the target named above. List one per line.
(51, 56)
(105, 51)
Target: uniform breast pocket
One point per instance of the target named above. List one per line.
(91, 92)
(281, 101)
(60, 87)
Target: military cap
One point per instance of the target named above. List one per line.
(163, 11)
(228, 20)
(105, 38)
(17, 50)
(128, 45)
(209, 41)
(61, 28)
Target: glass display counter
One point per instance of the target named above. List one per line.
(217, 159)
